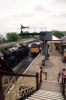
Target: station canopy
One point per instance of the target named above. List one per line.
(55, 38)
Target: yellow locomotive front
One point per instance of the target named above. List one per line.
(35, 49)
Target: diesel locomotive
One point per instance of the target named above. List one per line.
(35, 48)
(15, 54)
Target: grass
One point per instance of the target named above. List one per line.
(10, 44)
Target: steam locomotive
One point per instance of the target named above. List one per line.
(15, 54)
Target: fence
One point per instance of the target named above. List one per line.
(17, 86)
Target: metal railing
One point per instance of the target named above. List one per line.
(45, 73)
(18, 86)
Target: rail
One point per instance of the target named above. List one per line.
(45, 75)
(19, 85)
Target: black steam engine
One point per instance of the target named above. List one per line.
(15, 54)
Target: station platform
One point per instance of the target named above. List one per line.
(52, 66)
(16, 89)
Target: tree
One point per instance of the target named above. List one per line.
(13, 36)
(26, 36)
(36, 36)
(4, 40)
(57, 33)
(1, 36)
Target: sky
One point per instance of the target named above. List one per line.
(33, 13)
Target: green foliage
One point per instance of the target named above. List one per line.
(57, 33)
(36, 36)
(26, 36)
(29, 36)
(13, 36)
(2, 39)
(3, 47)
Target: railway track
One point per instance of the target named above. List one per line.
(22, 66)
(20, 69)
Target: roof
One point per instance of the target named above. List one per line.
(1, 55)
(55, 38)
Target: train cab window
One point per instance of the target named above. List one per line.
(34, 46)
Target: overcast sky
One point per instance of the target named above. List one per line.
(33, 13)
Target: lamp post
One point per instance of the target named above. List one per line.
(43, 49)
(43, 52)
(45, 29)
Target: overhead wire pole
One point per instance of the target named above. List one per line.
(45, 29)
(34, 29)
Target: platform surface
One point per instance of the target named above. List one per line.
(52, 66)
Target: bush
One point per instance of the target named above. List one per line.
(2, 48)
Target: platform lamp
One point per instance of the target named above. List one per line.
(43, 53)
(43, 47)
